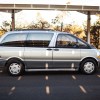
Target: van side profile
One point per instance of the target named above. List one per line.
(32, 50)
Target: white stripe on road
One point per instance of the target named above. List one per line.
(10, 93)
(47, 90)
(46, 77)
(83, 89)
(12, 90)
(19, 78)
(98, 76)
(73, 77)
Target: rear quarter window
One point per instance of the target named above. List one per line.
(14, 40)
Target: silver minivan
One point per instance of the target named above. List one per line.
(32, 50)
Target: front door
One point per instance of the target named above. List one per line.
(66, 54)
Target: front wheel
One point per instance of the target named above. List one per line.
(15, 67)
(88, 66)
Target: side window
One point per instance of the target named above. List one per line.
(39, 39)
(14, 40)
(82, 44)
(67, 41)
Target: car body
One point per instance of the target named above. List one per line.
(39, 50)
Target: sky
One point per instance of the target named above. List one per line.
(24, 17)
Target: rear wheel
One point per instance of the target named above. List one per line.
(15, 67)
(88, 66)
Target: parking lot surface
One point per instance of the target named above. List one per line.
(50, 86)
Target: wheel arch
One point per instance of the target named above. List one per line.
(15, 58)
(88, 58)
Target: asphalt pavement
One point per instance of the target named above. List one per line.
(50, 86)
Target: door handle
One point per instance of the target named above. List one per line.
(49, 49)
(56, 49)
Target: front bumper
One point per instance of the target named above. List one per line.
(2, 63)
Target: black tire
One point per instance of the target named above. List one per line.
(15, 67)
(88, 66)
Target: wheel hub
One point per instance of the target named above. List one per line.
(15, 68)
(89, 67)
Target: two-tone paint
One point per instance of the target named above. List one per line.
(49, 58)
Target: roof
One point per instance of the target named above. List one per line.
(62, 7)
(29, 31)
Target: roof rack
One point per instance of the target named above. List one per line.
(34, 30)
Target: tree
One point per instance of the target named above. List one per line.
(74, 29)
(40, 24)
(6, 26)
(58, 20)
(95, 34)
(43, 24)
